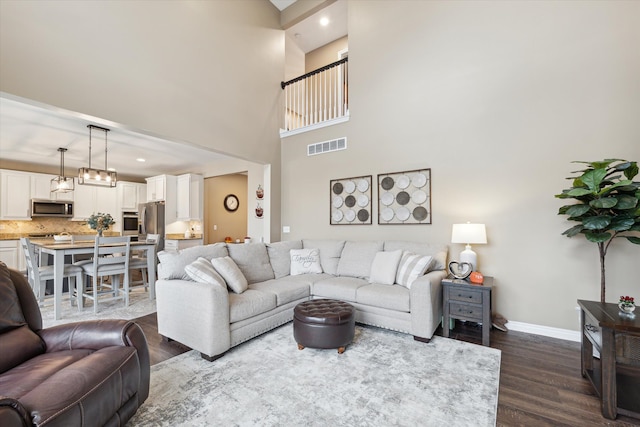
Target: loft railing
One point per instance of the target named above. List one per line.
(317, 97)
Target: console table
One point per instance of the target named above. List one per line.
(463, 300)
(615, 375)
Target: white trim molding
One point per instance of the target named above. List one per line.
(547, 331)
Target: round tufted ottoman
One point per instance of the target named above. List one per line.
(324, 323)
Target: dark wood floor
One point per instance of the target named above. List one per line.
(540, 380)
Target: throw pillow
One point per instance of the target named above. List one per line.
(385, 267)
(411, 267)
(201, 270)
(231, 274)
(305, 261)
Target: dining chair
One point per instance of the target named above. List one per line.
(110, 258)
(38, 275)
(139, 262)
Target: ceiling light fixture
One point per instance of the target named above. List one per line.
(324, 21)
(99, 177)
(60, 184)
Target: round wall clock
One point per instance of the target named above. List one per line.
(231, 203)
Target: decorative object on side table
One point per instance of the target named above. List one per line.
(607, 205)
(627, 305)
(100, 222)
(460, 270)
(469, 233)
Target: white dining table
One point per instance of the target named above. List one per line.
(59, 249)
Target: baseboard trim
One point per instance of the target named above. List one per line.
(547, 331)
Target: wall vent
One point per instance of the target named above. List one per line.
(327, 146)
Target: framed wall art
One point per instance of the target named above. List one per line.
(405, 197)
(350, 201)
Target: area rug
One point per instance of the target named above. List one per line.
(139, 305)
(383, 379)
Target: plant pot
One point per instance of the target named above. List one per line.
(626, 309)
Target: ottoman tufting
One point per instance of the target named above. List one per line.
(324, 323)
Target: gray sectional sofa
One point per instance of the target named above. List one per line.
(249, 289)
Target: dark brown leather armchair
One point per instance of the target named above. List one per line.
(91, 373)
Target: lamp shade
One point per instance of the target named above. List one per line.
(469, 233)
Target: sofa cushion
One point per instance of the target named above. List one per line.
(253, 261)
(172, 263)
(286, 291)
(411, 267)
(280, 256)
(201, 270)
(341, 288)
(438, 252)
(385, 267)
(304, 261)
(231, 274)
(394, 297)
(357, 257)
(330, 251)
(250, 303)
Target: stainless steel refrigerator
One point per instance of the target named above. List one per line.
(151, 221)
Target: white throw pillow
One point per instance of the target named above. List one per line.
(305, 261)
(411, 267)
(231, 274)
(201, 270)
(384, 267)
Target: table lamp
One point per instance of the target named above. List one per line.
(469, 233)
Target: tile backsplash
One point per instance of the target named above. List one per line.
(44, 225)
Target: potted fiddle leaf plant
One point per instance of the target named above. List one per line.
(607, 205)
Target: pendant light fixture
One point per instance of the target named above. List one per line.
(98, 177)
(60, 184)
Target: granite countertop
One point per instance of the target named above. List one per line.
(17, 236)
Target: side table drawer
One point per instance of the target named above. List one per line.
(592, 330)
(466, 295)
(468, 312)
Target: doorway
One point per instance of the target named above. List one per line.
(225, 219)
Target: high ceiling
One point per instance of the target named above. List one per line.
(31, 133)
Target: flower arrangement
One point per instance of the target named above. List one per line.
(100, 222)
(626, 301)
(626, 304)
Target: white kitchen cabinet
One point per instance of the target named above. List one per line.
(90, 199)
(12, 255)
(130, 194)
(41, 188)
(15, 195)
(156, 188)
(189, 190)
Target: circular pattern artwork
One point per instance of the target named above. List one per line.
(351, 201)
(405, 197)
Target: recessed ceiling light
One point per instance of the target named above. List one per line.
(141, 160)
(324, 21)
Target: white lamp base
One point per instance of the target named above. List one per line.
(469, 256)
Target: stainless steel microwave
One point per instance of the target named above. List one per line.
(58, 208)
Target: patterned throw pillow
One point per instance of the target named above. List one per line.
(305, 261)
(201, 270)
(411, 267)
(385, 267)
(231, 274)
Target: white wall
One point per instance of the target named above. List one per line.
(497, 98)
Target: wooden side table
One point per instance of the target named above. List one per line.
(615, 375)
(464, 300)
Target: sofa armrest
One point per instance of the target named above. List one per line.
(12, 413)
(194, 314)
(97, 334)
(426, 303)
